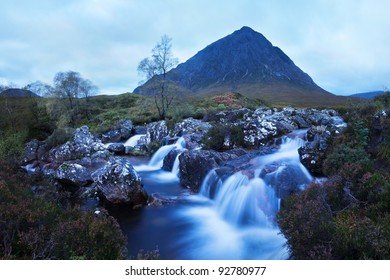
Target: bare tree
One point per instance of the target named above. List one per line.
(71, 87)
(156, 69)
(40, 88)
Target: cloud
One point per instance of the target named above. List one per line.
(341, 44)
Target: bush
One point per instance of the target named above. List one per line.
(223, 137)
(304, 221)
(12, 145)
(58, 137)
(36, 226)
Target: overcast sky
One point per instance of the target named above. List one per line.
(344, 45)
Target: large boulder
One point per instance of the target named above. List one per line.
(170, 158)
(33, 151)
(194, 165)
(156, 132)
(71, 174)
(111, 136)
(191, 126)
(126, 128)
(116, 148)
(122, 131)
(120, 183)
(84, 144)
(313, 153)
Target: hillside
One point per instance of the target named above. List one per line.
(246, 62)
(368, 95)
(16, 92)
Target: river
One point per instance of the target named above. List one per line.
(230, 219)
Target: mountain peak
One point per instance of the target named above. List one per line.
(245, 62)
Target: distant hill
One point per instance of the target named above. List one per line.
(16, 92)
(247, 63)
(368, 95)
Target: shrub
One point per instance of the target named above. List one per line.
(344, 154)
(12, 145)
(304, 221)
(37, 227)
(217, 136)
(58, 137)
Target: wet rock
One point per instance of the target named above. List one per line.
(34, 150)
(120, 183)
(116, 148)
(155, 132)
(139, 130)
(123, 130)
(313, 153)
(126, 129)
(157, 200)
(84, 144)
(111, 136)
(190, 126)
(194, 165)
(73, 174)
(285, 178)
(170, 158)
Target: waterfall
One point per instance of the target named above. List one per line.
(156, 162)
(133, 140)
(176, 166)
(238, 218)
(211, 184)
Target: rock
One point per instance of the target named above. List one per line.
(285, 179)
(63, 153)
(33, 151)
(82, 136)
(157, 200)
(126, 129)
(120, 183)
(84, 144)
(111, 136)
(378, 126)
(73, 174)
(116, 148)
(155, 132)
(194, 165)
(300, 122)
(170, 158)
(190, 126)
(123, 130)
(139, 130)
(313, 153)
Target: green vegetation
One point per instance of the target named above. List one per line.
(215, 138)
(41, 224)
(348, 216)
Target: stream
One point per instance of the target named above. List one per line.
(230, 219)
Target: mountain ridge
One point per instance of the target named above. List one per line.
(245, 62)
(16, 92)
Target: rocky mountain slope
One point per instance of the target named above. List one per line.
(246, 62)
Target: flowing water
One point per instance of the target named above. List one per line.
(230, 218)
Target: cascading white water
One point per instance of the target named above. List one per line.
(210, 184)
(133, 140)
(176, 166)
(237, 218)
(156, 162)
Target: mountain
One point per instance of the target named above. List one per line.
(16, 92)
(246, 62)
(368, 95)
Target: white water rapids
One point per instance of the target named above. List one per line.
(230, 218)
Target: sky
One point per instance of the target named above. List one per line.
(344, 45)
